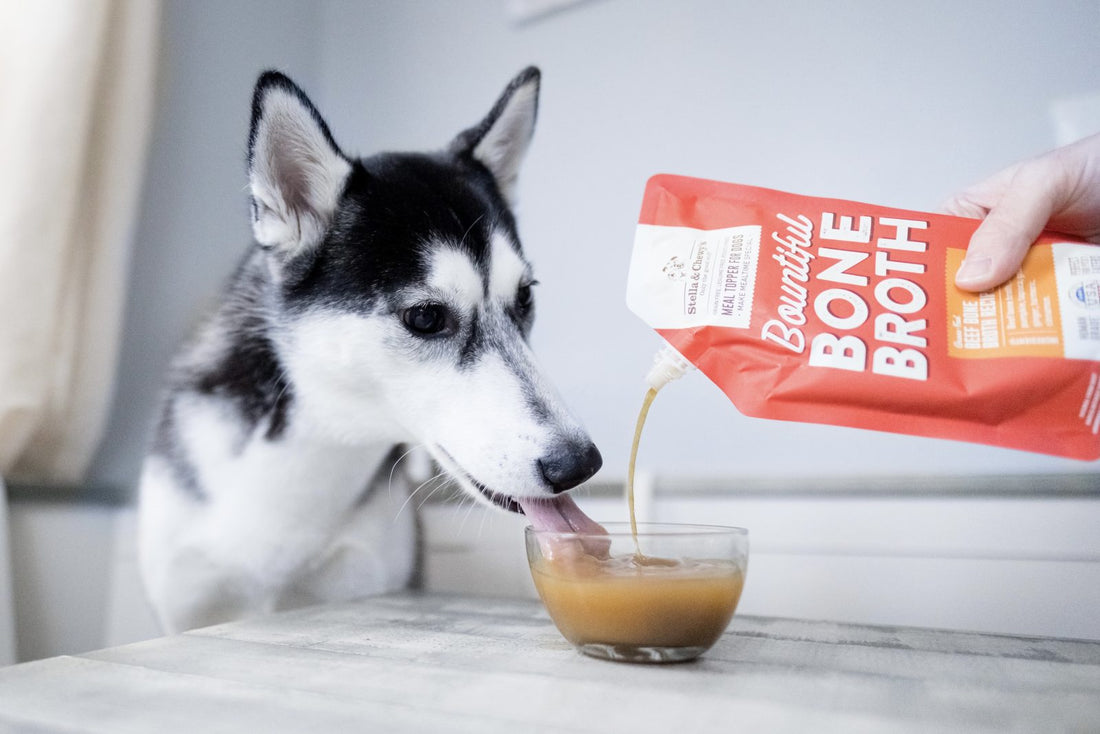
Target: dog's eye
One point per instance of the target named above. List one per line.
(427, 319)
(525, 298)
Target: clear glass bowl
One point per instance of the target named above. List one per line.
(666, 599)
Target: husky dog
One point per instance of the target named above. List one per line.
(385, 302)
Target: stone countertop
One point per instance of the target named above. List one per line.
(445, 663)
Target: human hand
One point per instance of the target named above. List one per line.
(1059, 190)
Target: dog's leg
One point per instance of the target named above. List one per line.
(374, 550)
(265, 518)
(202, 593)
(186, 586)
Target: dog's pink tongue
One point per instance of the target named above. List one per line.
(560, 515)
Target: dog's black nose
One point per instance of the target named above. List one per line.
(570, 464)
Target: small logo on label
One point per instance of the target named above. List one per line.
(675, 268)
(1086, 293)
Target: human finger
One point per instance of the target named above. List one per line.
(1014, 221)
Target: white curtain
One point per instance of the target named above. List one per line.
(76, 99)
(76, 90)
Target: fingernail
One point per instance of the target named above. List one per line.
(974, 268)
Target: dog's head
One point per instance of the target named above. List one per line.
(408, 300)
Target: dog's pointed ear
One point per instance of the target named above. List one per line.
(296, 171)
(500, 141)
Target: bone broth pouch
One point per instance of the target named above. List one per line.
(828, 311)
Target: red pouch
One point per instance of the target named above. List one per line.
(829, 311)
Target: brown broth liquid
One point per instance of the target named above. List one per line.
(686, 604)
(639, 601)
(648, 401)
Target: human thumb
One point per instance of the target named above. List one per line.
(1001, 241)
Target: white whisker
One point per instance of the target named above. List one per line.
(441, 483)
(393, 469)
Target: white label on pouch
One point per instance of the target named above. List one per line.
(1077, 274)
(682, 277)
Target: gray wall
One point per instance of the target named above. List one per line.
(888, 102)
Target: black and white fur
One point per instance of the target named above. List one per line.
(386, 301)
